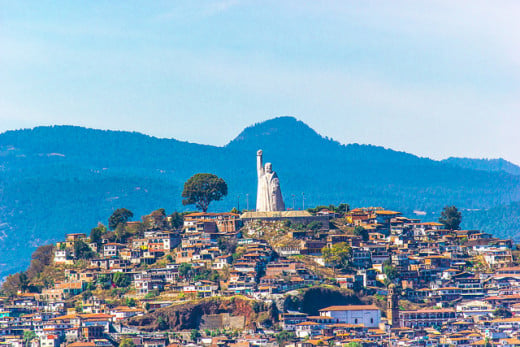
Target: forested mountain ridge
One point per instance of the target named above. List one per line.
(61, 179)
(485, 164)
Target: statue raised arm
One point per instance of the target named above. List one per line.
(259, 163)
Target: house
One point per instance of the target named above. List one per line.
(426, 317)
(111, 250)
(367, 315)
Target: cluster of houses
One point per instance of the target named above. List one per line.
(422, 285)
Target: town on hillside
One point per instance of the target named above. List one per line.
(326, 276)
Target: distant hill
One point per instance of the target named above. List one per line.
(502, 221)
(61, 179)
(485, 164)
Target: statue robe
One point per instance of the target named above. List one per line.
(269, 194)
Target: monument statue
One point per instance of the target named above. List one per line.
(269, 194)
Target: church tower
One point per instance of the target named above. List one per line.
(392, 306)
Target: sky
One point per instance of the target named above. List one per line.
(433, 78)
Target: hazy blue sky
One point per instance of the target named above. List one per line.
(435, 78)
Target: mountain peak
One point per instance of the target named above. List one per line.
(278, 132)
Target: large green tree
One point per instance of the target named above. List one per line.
(120, 216)
(203, 188)
(339, 255)
(451, 218)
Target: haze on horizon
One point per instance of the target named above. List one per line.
(435, 79)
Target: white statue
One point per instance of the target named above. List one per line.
(269, 194)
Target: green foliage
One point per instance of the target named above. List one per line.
(121, 280)
(360, 231)
(341, 209)
(127, 343)
(15, 282)
(130, 302)
(314, 226)
(186, 270)
(339, 255)
(120, 216)
(195, 335)
(391, 272)
(202, 188)
(284, 337)
(227, 245)
(206, 274)
(121, 233)
(176, 220)
(82, 250)
(28, 336)
(451, 218)
(502, 313)
(162, 323)
(96, 233)
(152, 294)
(104, 281)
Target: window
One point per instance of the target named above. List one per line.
(371, 320)
(355, 321)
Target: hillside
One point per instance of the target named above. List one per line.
(485, 164)
(61, 179)
(502, 221)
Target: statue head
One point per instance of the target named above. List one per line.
(268, 167)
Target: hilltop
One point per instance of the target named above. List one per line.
(61, 179)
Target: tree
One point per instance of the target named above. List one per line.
(284, 337)
(121, 280)
(391, 272)
(185, 270)
(41, 258)
(28, 336)
(338, 255)
(502, 313)
(162, 324)
(202, 188)
(82, 250)
(15, 282)
(155, 220)
(127, 343)
(176, 220)
(360, 231)
(195, 334)
(120, 216)
(95, 233)
(451, 218)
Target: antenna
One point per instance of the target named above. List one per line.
(303, 201)
(247, 201)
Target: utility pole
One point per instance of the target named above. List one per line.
(303, 201)
(238, 202)
(293, 202)
(247, 201)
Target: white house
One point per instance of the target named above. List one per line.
(367, 315)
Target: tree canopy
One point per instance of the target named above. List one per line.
(338, 255)
(203, 188)
(120, 216)
(451, 218)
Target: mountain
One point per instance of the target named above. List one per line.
(502, 221)
(63, 179)
(485, 164)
